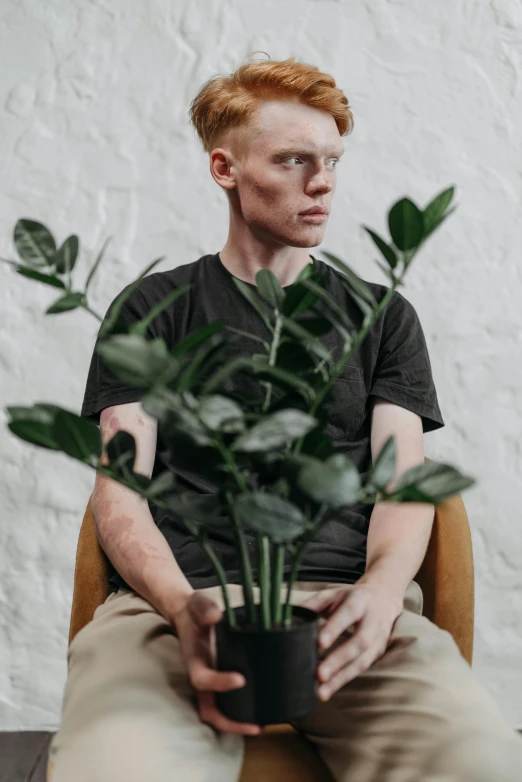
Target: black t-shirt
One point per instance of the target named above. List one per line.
(392, 363)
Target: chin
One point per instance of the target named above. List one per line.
(312, 239)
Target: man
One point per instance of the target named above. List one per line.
(397, 701)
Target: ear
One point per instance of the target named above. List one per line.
(222, 168)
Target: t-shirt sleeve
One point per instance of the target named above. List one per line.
(103, 388)
(403, 373)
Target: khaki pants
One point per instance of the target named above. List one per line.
(417, 714)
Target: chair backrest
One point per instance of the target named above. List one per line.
(446, 576)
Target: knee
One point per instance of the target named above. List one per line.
(117, 748)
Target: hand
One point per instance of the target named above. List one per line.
(372, 611)
(194, 624)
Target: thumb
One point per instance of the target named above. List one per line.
(203, 610)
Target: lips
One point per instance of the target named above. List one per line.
(315, 210)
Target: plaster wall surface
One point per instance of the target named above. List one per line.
(95, 140)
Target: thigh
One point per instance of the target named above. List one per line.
(129, 710)
(388, 722)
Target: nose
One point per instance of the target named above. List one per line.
(320, 182)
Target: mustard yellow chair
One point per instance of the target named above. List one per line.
(279, 753)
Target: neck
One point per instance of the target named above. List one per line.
(284, 262)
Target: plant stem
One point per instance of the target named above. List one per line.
(287, 613)
(263, 547)
(247, 580)
(272, 356)
(231, 617)
(92, 312)
(277, 581)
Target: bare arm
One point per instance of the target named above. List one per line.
(397, 540)
(139, 552)
(124, 525)
(399, 533)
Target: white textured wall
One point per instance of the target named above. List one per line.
(94, 139)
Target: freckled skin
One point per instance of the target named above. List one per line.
(265, 195)
(123, 533)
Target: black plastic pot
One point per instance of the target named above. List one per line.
(279, 666)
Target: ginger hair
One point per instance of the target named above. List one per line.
(224, 108)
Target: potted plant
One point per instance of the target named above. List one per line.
(279, 476)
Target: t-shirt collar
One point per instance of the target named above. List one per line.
(228, 278)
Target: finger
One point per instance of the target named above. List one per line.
(345, 675)
(203, 677)
(203, 610)
(324, 599)
(365, 637)
(209, 713)
(351, 610)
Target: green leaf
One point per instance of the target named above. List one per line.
(96, 263)
(34, 424)
(306, 337)
(195, 338)
(121, 450)
(287, 379)
(34, 242)
(383, 469)
(335, 481)
(158, 402)
(47, 279)
(317, 325)
(299, 298)
(430, 482)
(141, 326)
(358, 285)
(202, 508)
(270, 515)
(41, 411)
(363, 305)
(77, 437)
(196, 366)
(293, 357)
(275, 430)
(388, 252)
(34, 432)
(317, 444)
(70, 301)
(433, 213)
(253, 337)
(329, 301)
(237, 364)
(406, 224)
(438, 222)
(65, 258)
(165, 482)
(115, 309)
(255, 301)
(173, 411)
(221, 414)
(134, 359)
(270, 288)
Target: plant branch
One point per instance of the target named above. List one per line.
(263, 547)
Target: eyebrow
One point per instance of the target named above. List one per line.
(287, 151)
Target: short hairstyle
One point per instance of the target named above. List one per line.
(225, 106)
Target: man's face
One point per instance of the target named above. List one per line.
(290, 167)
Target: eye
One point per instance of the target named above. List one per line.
(294, 158)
